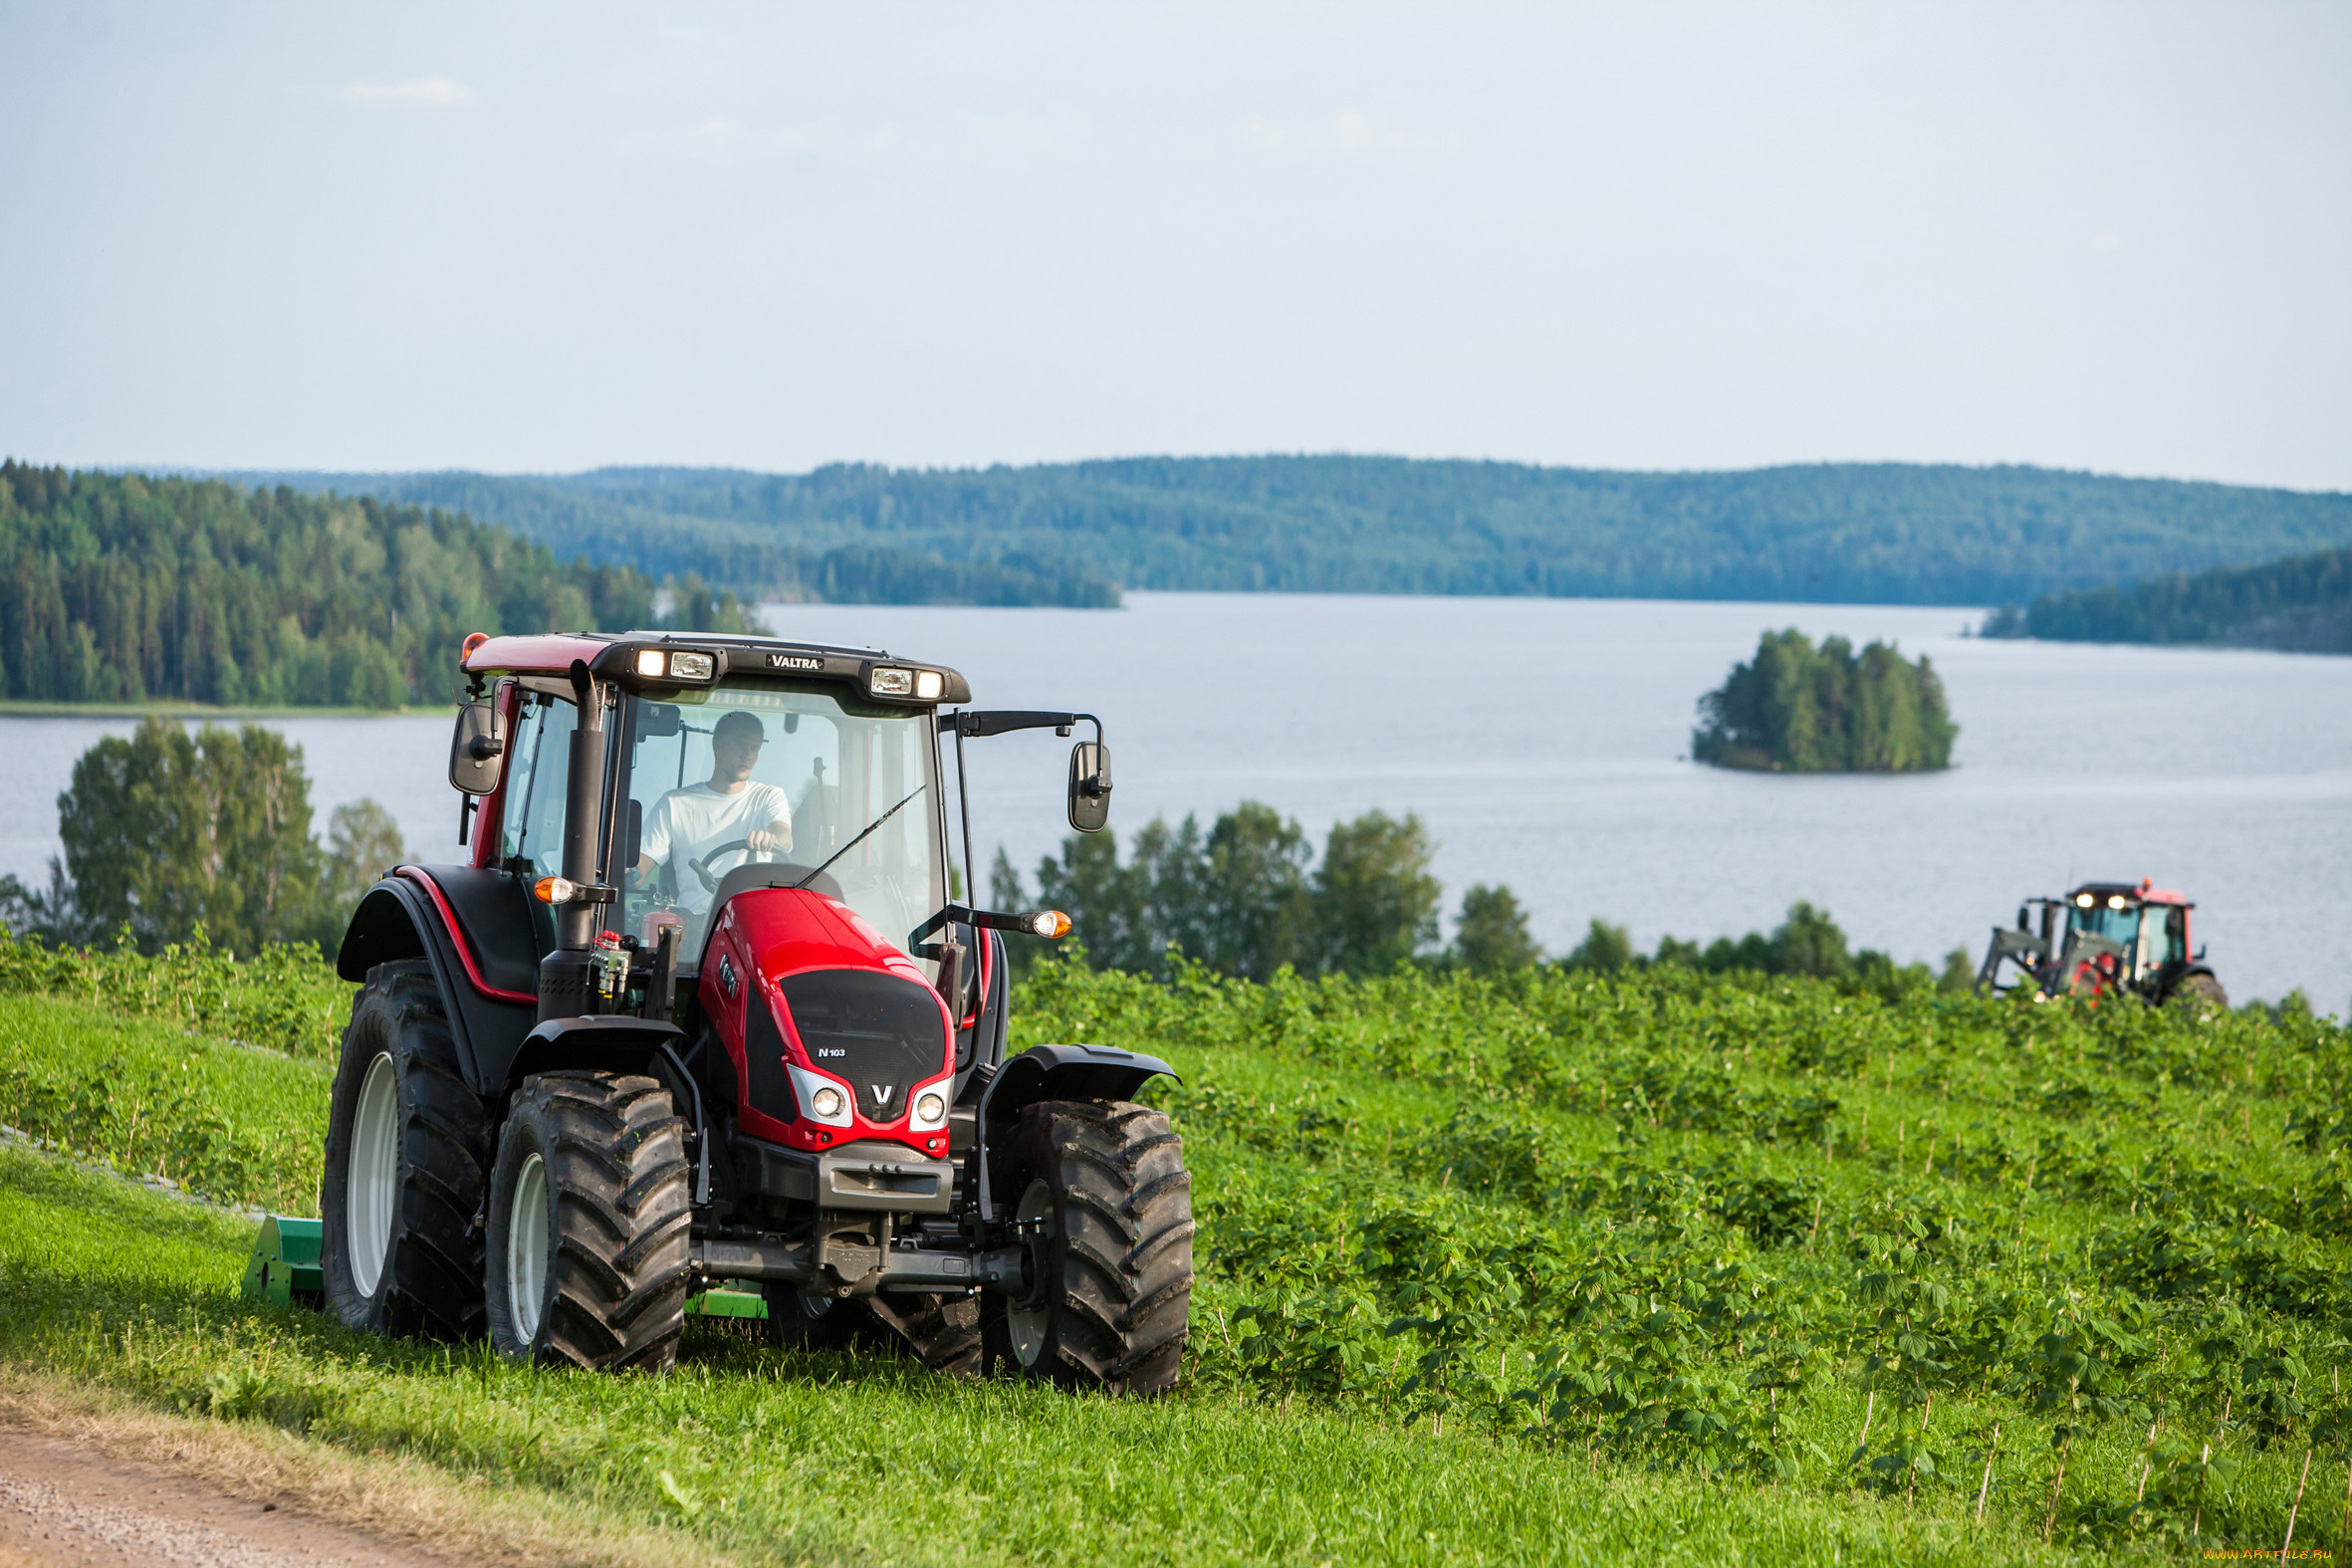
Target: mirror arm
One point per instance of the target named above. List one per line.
(983, 722)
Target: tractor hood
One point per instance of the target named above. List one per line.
(835, 1031)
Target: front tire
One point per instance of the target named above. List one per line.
(590, 1205)
(407, 1161)
(1113, 1298)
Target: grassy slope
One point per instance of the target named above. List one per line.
(1318, 1119)
(848, 1459)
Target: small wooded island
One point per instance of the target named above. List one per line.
(1797, 708)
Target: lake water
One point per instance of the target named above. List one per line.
(1542, 743)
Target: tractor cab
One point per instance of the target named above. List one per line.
(2102, 937)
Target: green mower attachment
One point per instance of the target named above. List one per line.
(284, 1266)
(728, 1299)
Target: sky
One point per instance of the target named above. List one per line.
(543, 238)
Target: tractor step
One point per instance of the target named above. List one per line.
(284, 1266)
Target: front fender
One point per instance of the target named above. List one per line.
(403, 917)
(1056, 1073)
(613, 1043)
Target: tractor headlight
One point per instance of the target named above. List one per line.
(827, 1102)
(930, 1109)
(888, 682)
(656, 664)
(927, 685)
(2084, 901)
(2115, 901)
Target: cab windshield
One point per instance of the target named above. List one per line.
(2116, 925)
(798, 774)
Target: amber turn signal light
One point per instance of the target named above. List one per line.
(1049, 923)
(562, 890)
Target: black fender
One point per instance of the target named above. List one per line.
(620, 1043)
(1056, 1073)
(409, 915)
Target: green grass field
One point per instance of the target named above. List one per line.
(1559, 1268)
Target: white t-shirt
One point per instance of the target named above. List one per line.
(689, 823)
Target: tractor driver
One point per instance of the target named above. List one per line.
(688, 824)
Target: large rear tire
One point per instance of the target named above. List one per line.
(407, 1160)
(1113, 1296)
(590, 1205)
(2199, 992)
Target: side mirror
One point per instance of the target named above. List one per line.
(1089, 787)
(477, 752)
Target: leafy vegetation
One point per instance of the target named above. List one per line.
(1804, 709)
(1769, 1268)
(1807, 943)
(2302, 605)
(282, 997)
(237, 1125)
(172, 837)
(1823, 532)
(120, 587)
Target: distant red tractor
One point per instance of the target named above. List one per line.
(699, 1019)
(2116, 939)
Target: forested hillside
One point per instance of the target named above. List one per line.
(117, 588)
(1825, 532)
(2302, 605)
(757, 557)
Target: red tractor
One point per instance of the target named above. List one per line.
(699, 1014)
(2118, 939)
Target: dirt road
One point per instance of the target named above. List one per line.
(64, 1504)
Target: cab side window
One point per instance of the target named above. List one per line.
(531, 837)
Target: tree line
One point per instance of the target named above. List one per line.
(1247, 898)
(642, 525)
(1804, 709)
(1851, 533)
(168, 835)
(126, 588)
(2301, 605)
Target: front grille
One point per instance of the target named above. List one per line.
(879, 1033)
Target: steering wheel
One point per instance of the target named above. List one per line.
(702, 867)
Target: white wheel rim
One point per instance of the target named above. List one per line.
(371, 1183)
(1027, 1324)
(526, 1247)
